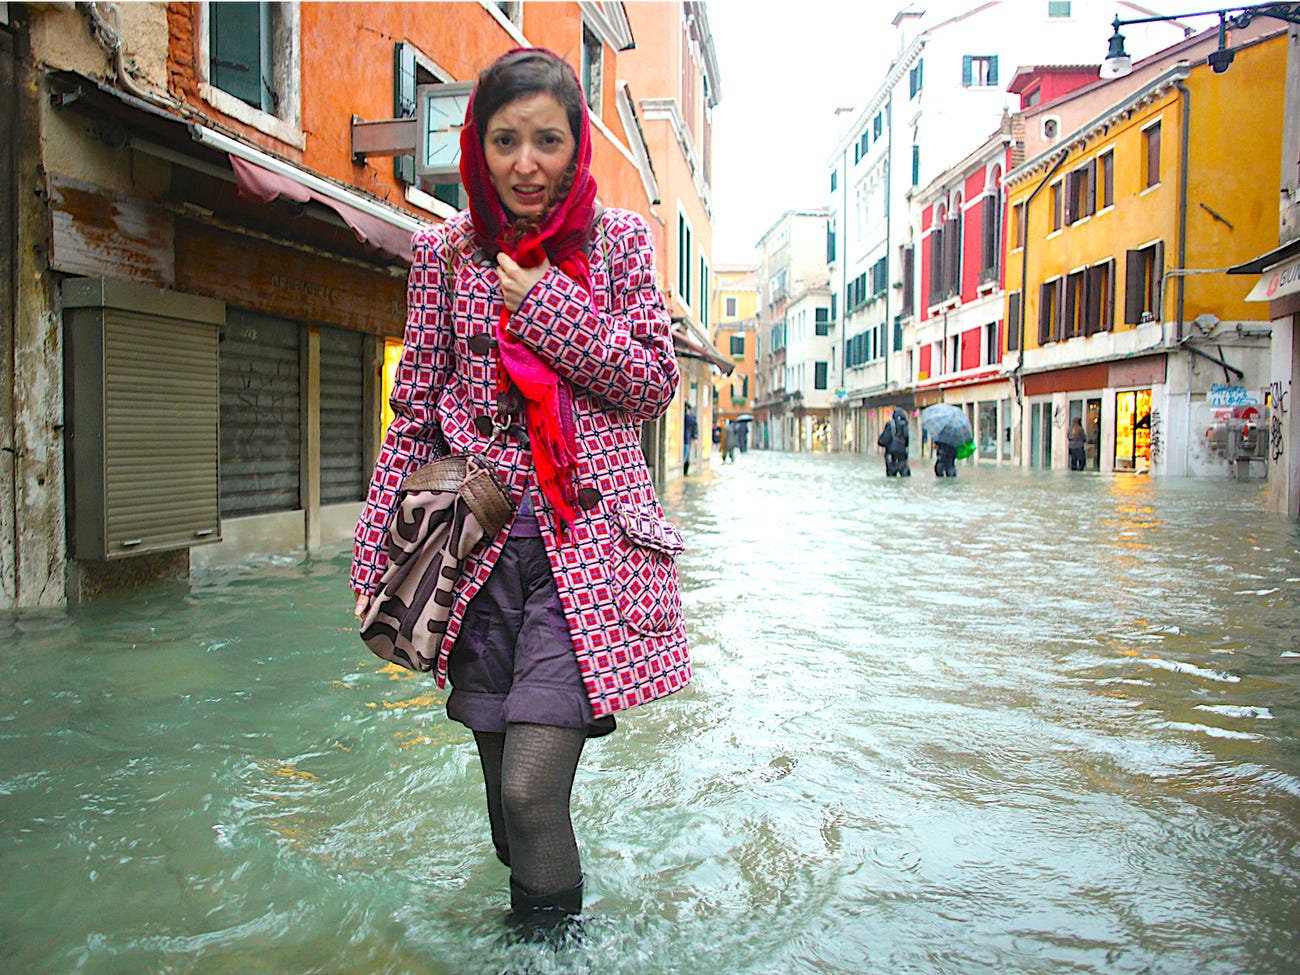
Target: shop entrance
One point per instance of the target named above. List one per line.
(1133, 430)
(1040, 435)
(1088, 412)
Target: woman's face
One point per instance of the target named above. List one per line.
(528, 146)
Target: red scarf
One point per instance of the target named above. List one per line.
(562, 236)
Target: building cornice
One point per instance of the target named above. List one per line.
(667, 109)
(627, 113)
(1080, 136)
(609, 22)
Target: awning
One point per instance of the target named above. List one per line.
(263, 186)
(687, 344)
(1278, 270)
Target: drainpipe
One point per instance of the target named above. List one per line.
(889, 239)
(1183, 165)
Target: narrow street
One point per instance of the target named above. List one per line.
(1014, 722)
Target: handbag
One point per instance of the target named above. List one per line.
(443, 510)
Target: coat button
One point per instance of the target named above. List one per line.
(588, 498)
(484, 425)
(510, 401)
(481, 343)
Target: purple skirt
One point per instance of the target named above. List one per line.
(513, 660)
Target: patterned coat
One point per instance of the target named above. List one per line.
(615, 570)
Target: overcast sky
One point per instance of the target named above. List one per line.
(786, 66)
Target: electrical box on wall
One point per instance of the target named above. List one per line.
(142, 405)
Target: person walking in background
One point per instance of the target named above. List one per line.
(537, 337)
(895, 439)
(1078, 445)
(945, 459)
(690, 430)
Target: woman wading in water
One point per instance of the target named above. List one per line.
(537, 338)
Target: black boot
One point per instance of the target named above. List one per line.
(545, 918)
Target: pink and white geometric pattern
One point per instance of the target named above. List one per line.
(615, 570)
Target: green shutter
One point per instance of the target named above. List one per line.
(993, 70)
(404, 103)
(966, 60)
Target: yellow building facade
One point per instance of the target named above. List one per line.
(1120, 314)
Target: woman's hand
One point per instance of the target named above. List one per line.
(363, 605)
(517, 281)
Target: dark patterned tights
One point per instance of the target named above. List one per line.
(528, 773)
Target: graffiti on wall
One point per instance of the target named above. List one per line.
(1157, 440)
(1277, 399)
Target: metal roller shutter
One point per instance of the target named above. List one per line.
(260, 414)
(342, 404)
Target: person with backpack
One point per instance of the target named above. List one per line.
(895, 439)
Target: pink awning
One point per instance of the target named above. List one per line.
(262, 185)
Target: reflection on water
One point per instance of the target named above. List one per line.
(1012, 722)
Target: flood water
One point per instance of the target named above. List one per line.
(1016, 722)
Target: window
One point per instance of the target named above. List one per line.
(1058, 8)
(592, 69)
(991, 343)
(683, 258)
(704, 293)
(879, 276)
(820, 372)
(1072, 316)
(830, 241)
(945, 255)
(1143, 277)
(1106, 175)
(908, 265)
(738, 345)
(1099, 298)
(1049, 309)
(729, 307)
(822, 321)
(914, 79)
(877, 125)
(1151, 155)
(1013, 320)
(1058, 198)
(979, 70)
(916, 164)
(835, 178)
(1081, 192)
(1018, 232)
(410, 70)
(252, 63)
(991, 236)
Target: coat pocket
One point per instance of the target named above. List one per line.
(643, 551)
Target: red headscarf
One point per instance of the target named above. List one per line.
(562, 235)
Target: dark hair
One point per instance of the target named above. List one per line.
(523, 73)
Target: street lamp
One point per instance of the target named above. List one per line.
(1118, 63)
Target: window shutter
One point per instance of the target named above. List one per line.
(909, 258)
(1060, 310)
(965, 70)
(952, 262)
(1044, 313)
(1013, 321)
(1071, 191)
(236, 50)
(1090, 188)
(1133, 287)
(404, 103)
(1091, 299)
(936, 263)
(989, 215)
(993, 70)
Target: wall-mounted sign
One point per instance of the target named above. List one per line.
(440, 115)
